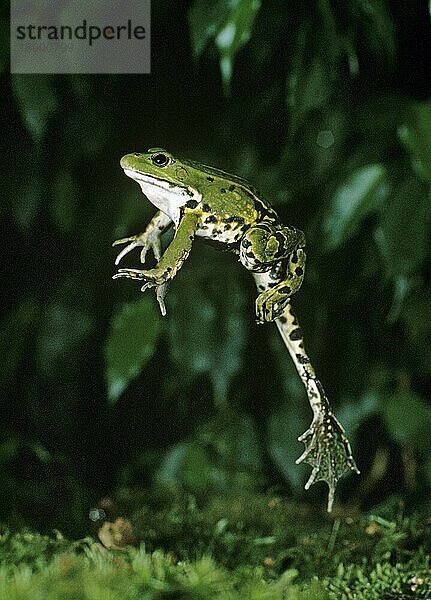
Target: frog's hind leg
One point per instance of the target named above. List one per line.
(267, 243)
(327, 448)
(283, 280)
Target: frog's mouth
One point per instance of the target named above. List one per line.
(147, 180)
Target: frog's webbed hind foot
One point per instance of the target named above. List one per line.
(328, 451)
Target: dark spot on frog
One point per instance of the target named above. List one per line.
(234, 219)
(294, 258)
(206, 208)
(246, 243)
(296, 334)
(283, 319)
(231, 188)
(191, 203)
(227, 227)
(211, 219)
(286, 290)
(303, 360)
(210, 178)
(223, 190)
(299, 271)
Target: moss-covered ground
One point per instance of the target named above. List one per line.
(256, 547)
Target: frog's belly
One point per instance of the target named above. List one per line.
(269, 279)
(220, 232)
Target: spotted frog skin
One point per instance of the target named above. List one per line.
(200, 201)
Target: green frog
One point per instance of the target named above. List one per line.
(200, 201)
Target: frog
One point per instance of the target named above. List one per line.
(201, 201)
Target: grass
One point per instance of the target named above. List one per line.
(253, 547)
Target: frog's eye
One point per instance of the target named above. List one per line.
(160, 160)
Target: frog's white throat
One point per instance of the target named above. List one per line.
(166, 196)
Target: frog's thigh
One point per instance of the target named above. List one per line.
(271, 303)
(259, 246)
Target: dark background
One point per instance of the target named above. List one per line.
(327, 114)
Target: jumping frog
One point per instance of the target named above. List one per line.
(198, 200)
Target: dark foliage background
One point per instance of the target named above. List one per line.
(324, 107)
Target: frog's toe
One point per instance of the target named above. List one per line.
(328, 451)
(125, 250)
(130, 274)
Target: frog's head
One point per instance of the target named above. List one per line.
(166, 181)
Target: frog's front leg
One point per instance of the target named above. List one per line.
(150, 238)
(171, 261)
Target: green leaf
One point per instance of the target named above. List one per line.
(408, 419)
(207, 324)
(415, 135)
(416, 315)
(132, 340)
(224, 457)
(284, 427)
(14, 339)
(186, 465)
(361, 193)
(63, 329)
(308, 89)
(37, 101)
(315, 60)
(26, 199)
(402, 236)
(228, 22)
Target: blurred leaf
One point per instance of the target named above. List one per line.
(14, 339)
(403, 233)
(135, 331)
(314, 65)
(408, 419)
(37, 101)
(360, 194)
(377, 32)
(224, 457)
(416, 315)
(415, 134)
(64, 201)
(308, 89)
(228, 22)
(26, 199)
(134, 213)
(186, 465)
(207, 326)
(351, 413)
(284, 428)
(63, 330)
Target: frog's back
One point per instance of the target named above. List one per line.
(263, 210)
